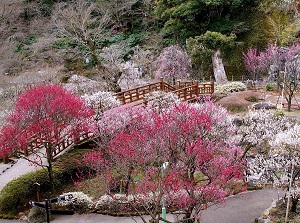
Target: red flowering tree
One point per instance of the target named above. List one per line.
(172, 63)
(47, 114)
(200, 162)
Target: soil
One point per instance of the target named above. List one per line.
(238, 103)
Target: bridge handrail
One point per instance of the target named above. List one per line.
(138, 93)
(186, 90)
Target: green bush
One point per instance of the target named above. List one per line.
(271, 86)
(63, 43)
(235, 108)
(71, 163)
(15, 196)
(252, 98)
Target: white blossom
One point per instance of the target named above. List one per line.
(101, 101)
(79, 202)
(161, 100)
(221, 119)
(287, 142)
(259, 127)
(230, 87)
(131, 75)
(81, 85)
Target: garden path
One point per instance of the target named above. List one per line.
(241, 208)
(15, 169)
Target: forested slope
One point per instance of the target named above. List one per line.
(104, 38)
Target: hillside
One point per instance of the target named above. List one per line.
(48, 40)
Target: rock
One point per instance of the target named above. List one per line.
(264, 105)
(22, 216)
(237, 122)
(37, 215)
(266, 212)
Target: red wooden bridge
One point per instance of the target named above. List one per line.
(186, 91)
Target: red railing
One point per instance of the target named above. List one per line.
(66, 142)
(186, 91)
(137, 94)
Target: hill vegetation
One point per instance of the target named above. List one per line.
(94, 38)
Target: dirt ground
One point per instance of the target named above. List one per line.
(245, 100)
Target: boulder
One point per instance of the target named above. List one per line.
(264, 105)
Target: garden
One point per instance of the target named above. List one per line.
(172, 154)
(170, 147)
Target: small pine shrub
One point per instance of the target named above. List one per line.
(271, 86)
(230, 87)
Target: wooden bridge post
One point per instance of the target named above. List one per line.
(178, 84)
(197, 92)
(5, 159)
(123, 99)
(212, 87)
(162, 84)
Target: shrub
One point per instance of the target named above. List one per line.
(15, 196)
(252, 98)
(120, 204)
(230, 87)
(271, 86)
(80, 202)
(69, 164)
(235, 108)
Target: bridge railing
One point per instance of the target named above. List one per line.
(186, 90)
(137, 94)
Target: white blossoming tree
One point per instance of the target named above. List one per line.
(101, 101)
(172, 63)
(282, 166)
(258, 127)
(161, 100)
(131, 75)
(82, 85)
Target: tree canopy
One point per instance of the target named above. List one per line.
(47, 114)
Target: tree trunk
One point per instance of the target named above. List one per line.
(289, 103)
(218, 67)
(92, 50)
(187, 218)
(51, 178)
(49, 149)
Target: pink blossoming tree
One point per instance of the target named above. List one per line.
(47, 115)
(280, 63)
(172, 63)
(198, 164)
